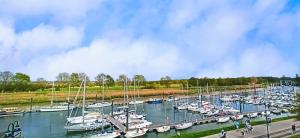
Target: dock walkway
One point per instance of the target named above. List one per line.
(116, 123)
(276, 130)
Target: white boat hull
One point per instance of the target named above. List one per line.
(106, 135)
(136, 133)
(183, 126)
(223, 119)
(163, 129)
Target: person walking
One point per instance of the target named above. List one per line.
(293, 128)
(223, 134)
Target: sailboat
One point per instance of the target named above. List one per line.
(223, 119)
(56, 108)
(103, 133)
(85, 125)
(135, 101)
(166, 127)
(184, 125)
(136, 133)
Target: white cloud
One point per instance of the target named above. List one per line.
(17, 49)
(205, 38)
(262, 60)
(113, 57)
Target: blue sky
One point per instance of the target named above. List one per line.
(202, 38)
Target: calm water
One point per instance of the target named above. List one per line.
(51, 124)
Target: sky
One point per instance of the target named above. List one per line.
(200, 38)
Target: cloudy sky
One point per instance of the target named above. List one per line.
(212, 38)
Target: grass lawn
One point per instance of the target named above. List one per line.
(295, 136)
(216, 131)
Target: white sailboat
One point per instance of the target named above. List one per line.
(103, 133)
(56, 108)
(166, 127)
(183, 125)
(113, 134)
(237, 117)
(163, 129)
(85, 125)
(98, 105)
(136, 133)
(135, 101)
(223, 119)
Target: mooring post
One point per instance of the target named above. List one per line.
(127, 115)
(68, 108)
(240, 104)
(30, 104)
(96, 97)
(112, 108)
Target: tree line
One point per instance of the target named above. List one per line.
(14, 82)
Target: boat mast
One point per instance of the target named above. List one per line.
(187, 91)
(124, 94)
(102, 108)
(69, 92)
(83, 101)
(52, 97)
(134, 95)
(198, 91)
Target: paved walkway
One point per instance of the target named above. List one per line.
(259, 131)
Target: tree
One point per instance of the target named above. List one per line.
(99, 78)
(81, 77)
(140, 79)
(6, 78)
(63, 77)
(22, 81)
(75, 79)
(297, 79)
(22, 78)
(110, 81)
(166, 81)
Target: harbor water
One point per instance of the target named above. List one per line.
(51, 124)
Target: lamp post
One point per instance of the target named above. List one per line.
(268, 135)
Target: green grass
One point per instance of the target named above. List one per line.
(229, 128)
(295, 136)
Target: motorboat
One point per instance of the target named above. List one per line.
(223, 119)
(113, 134)
(98, 105)
(184, 125)
(10, 111)
(212, 113)
(136, 102)
(163, 129)
(285, 110)
(154, 101)
(237, 117)
(136, 133)
(182, 107)
(276, 111)
(253, 115)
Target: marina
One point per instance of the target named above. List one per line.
(166, 120)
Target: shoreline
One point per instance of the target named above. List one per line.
(23, 99)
